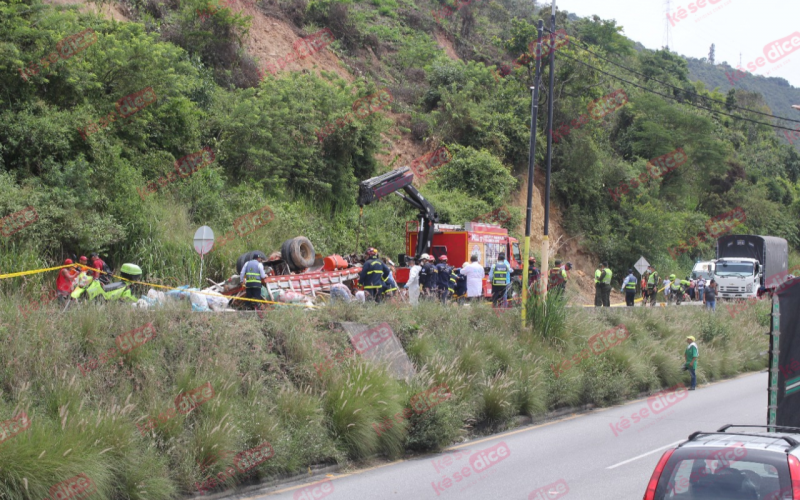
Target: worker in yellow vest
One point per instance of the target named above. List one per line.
(602, 286)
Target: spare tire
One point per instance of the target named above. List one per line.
(286, 255)
(302, 252)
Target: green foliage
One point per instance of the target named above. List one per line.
(476, 173)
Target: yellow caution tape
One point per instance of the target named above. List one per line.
(37, 271)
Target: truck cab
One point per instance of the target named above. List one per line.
(459, 243)
(737, 277)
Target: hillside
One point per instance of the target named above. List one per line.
(284, 98)
(777, 92)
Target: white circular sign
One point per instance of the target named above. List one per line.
(203, 240)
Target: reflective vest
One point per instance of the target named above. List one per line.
(607, 278)
(252, 276)
(631, 286)
(373, 274)
(597, 273)
(500, 274)
(652, 281)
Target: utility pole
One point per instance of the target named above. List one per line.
(545, 238)
(667, 25)
(531, 161)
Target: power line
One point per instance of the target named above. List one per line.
(674, 87)
(675, 98)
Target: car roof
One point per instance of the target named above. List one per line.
(767, 441)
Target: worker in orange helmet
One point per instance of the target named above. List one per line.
(66, 281)
(373, 275)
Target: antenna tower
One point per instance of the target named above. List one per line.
(667, 25)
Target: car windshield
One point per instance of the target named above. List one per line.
(731, 268)
(706, 275)
(733, 473)
(515, 249)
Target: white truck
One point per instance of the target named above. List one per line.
(745, 262)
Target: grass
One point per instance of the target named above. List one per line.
(266, 387)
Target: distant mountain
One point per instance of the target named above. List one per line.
(778, 93)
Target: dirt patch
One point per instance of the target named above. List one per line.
(446, 44)
(271, 39)
(112, 11)
(562, 246)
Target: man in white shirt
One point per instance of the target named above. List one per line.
(413, 280)
(474, 273)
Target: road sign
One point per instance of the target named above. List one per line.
(641, 265)
(203, 240)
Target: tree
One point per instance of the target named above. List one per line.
(711, 54)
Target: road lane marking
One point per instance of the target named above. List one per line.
(645, 454)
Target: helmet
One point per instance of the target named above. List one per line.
(425, 256)
(569, 265)
(558, 262)
(531, 259)
(672, 276)
(83, 258)
(372, 251)
(443, 258)
(68, 261)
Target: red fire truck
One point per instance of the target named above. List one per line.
(426, 235)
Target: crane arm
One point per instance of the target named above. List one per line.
(383, 185)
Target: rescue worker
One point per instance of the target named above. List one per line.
(374, 275)
(557, 278)
(456, 284)
(629, 288)
(443, 272)
(669, 284)
(533, 276)
(100, 265)
(500, 277)
(681, 290)
(85, 277)
(253, 276)
(389, 284)
(652, 286)
(428, 278)
(602, 286)
(66, 281)
(412, 285)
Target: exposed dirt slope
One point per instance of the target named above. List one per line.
(271, 39)
(113, 11)
(562, 246)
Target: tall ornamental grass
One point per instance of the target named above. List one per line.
(291, 380)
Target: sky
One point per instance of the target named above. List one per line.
(734, 26)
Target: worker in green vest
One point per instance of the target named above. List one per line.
(602, 286)
(691, 355)
(605, 279)
(598, 287)
(652, 287)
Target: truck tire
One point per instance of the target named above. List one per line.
(302, 252)
(286, 254)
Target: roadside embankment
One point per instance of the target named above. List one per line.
(168, 403)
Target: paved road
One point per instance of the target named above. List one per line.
(595, 455)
